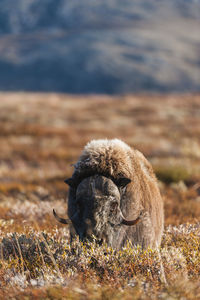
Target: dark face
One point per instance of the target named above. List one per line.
(96, 209)
(98, 206)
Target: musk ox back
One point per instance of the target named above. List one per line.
(114, 196)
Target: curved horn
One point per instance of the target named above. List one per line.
(130, 222)
(61, 220)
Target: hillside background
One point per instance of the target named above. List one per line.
(106, 46)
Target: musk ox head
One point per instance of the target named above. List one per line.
(98, 210)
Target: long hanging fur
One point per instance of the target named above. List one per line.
(116, 160)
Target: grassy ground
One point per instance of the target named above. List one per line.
(41, 136)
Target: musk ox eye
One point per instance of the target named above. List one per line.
(113, 206)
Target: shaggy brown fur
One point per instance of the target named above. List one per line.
(115, 160)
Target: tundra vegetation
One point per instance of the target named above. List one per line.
(41, 135)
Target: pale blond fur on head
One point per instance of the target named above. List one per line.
(107, 145)
(107, 156)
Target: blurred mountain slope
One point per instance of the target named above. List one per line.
(100, 46)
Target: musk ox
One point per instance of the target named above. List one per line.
(114, 196)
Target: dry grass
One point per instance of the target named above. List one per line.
(40, 137)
